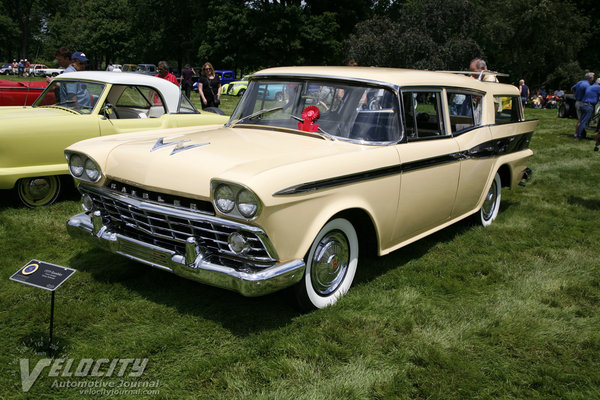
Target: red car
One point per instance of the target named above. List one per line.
(20, 93)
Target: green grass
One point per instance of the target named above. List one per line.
(507, 312)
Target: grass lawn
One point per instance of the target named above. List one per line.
(505, 312)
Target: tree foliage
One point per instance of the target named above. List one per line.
(543, 41)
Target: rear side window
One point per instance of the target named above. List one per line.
(422, 114)
(508, 109)
(465, 111)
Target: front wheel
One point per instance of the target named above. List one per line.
(39, 191)
(491, 203)
(330, 265)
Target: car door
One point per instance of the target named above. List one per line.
(131, 108)
(430, 169)
(475, 147)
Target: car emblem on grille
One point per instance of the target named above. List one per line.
(160, 143)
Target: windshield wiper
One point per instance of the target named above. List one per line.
(320, 131)
(254, 115)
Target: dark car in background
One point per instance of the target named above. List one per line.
(146, 69)
(566, 106)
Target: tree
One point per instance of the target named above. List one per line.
(530, 38)
(429, 34)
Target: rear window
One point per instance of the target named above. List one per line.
(508, 109)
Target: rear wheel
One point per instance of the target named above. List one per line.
(330, 265)
(241, 92)
(38, 191)
(491, 203)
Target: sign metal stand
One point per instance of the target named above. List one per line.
(45, 276)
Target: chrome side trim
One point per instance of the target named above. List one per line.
(247, 281)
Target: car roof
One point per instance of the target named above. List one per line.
(391, 76)
(170, 92)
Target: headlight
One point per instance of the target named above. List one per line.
(247, 203)
(91, 170)
(76, 165)
(83, 167)
(235, 200)
(224, 199)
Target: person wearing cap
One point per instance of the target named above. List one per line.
(75, 94)
(78, 60)
(588, 103)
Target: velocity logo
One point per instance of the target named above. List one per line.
(66, 367)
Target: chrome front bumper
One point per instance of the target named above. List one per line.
(248, 282)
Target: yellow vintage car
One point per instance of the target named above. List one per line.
(289, 193)
(77, 106)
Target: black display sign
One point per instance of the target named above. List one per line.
(42, 275)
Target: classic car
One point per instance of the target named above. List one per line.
(236, 88)
(77, 106)
(146, 69)
(225, 76)
(20, 93)
(288, 194)
(129, 68)
(6, 69)
(42, 70)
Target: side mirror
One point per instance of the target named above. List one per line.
(108, 110)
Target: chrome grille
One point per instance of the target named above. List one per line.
(169, 229)
(161, 198)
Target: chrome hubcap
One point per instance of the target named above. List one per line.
(490, 202)
(38, 188)
(330, 263)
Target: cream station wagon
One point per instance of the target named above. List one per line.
(291, 190)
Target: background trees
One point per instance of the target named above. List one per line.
(546, 42)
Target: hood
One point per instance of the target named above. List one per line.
(185, 160)
(20, 112)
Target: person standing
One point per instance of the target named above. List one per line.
(209, 87)
(590, 98)
(524, 90)
(579, 90)
(76, 94)
(163, 72)
(186, 79)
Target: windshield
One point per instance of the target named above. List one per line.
(337, 110)
(80, 96)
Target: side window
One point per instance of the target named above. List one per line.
(422, 114)
(465, 111)
(140, 97)
(507, 109)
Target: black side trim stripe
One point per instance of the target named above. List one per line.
(492, 148)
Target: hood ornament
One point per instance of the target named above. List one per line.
(179, 145)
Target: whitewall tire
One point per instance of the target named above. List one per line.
(330, 265)
(491, 203)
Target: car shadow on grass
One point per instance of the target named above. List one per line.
(590, 204)
(241, 315)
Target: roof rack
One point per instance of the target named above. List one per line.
(479, 74)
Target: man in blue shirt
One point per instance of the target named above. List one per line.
(588, 103)
(579, 91)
